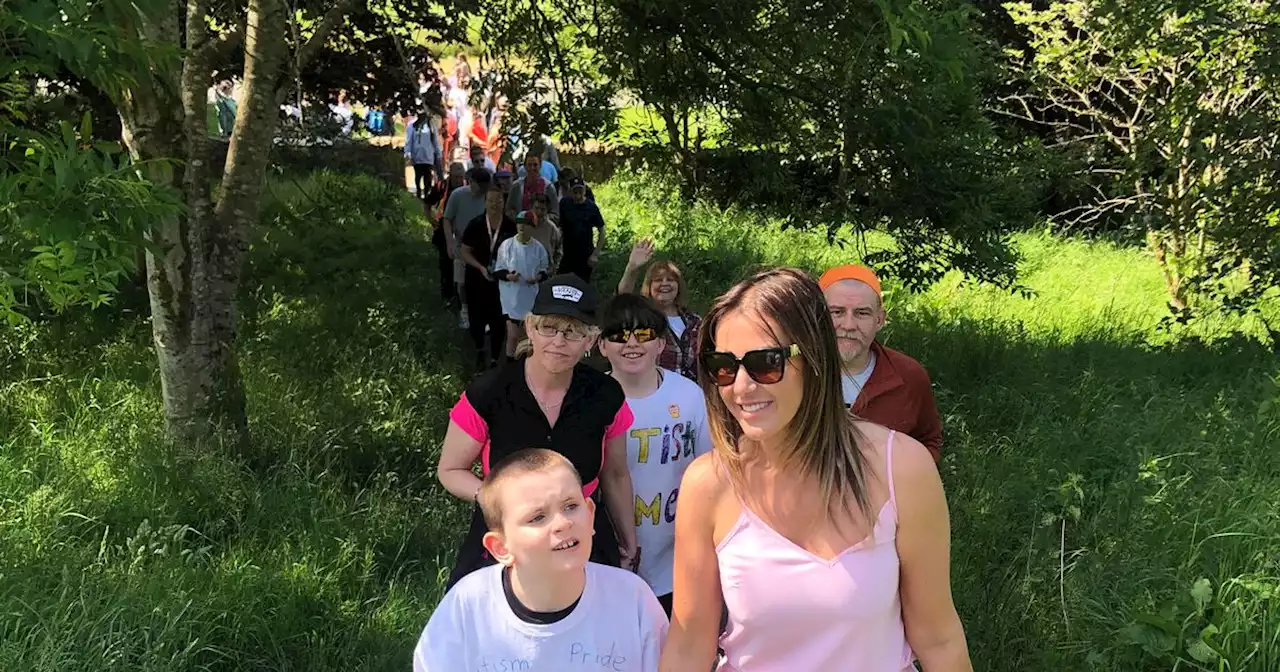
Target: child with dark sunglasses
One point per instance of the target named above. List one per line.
(669, 430)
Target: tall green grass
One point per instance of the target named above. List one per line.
(1113, 487)
(117, 552)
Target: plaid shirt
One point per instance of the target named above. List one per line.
(681, 353)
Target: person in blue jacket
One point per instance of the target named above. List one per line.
(422, 148)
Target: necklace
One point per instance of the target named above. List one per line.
(546, 406)
(860, 379)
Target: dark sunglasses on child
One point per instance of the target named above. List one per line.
(642, 334)
(765, 366)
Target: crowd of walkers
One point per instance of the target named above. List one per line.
(752, 489)
(498, 237)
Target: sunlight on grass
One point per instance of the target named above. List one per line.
(637, 121)
(1098, 468)
(1079, 288)
(1112, 487)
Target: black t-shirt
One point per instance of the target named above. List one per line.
(513, 421)
(476, 237)
(576, 222)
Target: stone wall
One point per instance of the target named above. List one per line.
(342, 156)
(595, 167)
(382, 158)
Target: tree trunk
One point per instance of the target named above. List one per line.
(684, 159)
(1169, 249)
(156, 118)
(194, 268)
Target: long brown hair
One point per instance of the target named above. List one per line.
(822, 440)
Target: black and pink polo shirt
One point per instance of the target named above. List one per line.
(499, 411)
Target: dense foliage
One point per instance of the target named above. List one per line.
(872, 120)
(945, 128)
(1171, 113)
(73, 208)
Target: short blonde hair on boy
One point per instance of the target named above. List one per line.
(521, 462)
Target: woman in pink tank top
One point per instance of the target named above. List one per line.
(826, 537)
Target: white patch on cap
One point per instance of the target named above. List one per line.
(566, 293)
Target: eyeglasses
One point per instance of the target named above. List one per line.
(570, 333)
(642, 334)
(765, 366)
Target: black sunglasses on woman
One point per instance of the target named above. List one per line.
(765, 366)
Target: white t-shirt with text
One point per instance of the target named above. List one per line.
(618, 625)
(669, 430)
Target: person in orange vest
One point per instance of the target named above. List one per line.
(880, 384)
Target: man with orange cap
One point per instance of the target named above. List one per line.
(880, 384)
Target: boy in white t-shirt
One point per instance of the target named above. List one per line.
(670, 429)
(543, 607)
(522, 263)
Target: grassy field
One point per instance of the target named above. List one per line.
(1113, 487)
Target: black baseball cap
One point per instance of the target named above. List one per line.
(568, 295)
(577, 182)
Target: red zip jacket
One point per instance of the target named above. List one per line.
(899, 396)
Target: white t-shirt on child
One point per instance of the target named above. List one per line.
(618, 625)
(669, 430)
(527, 259)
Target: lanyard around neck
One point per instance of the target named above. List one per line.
(493, 233)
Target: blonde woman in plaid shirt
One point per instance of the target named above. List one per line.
(664, 284)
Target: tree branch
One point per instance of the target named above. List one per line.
(1094, 211)
(740, 78)
(221, 47)
(194, 83)
(1029, 116)
(558, 53)
(332, 20)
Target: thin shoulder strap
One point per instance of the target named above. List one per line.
(888, 452)
(722, 471)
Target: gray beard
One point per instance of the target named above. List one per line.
(848, 359)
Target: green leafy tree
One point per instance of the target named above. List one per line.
(154, 60)
(832, 113)
(1172, 112)
(73, 217)
(73, 209)
(544, 57)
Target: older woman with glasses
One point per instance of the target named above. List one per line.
(549, 399)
